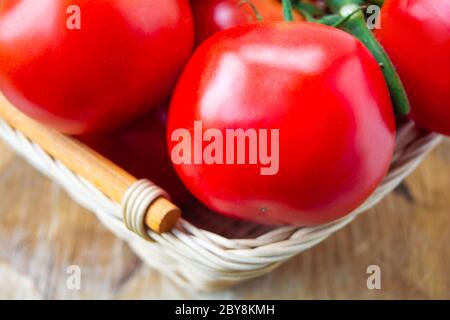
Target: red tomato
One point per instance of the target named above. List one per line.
(212, 16)
(123, 60)
(327, 96)
(141, 149)
(416, 35)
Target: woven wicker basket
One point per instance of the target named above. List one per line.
(209, 251)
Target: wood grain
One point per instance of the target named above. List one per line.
(42, 232)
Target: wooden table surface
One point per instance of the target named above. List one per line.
(43, 232)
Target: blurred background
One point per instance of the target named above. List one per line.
(43, 232)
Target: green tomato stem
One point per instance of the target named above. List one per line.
(336, 5)
(330, 20)
(287, 10)
(356, 25)
(259, 17)
(352, 10)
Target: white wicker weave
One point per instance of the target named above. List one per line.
(198, 256)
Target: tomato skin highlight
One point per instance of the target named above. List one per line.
(416, 35)
(324, 92)
(117, 66)
(212, 16)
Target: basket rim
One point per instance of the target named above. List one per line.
(192, 255)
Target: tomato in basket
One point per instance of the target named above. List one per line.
(416, 35)
(87, 65)
(282, 123)
(212, 16)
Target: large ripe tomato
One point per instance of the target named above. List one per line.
(124, 60)
(416, 35)
(140, 148)
(324, 92)
(212, 16)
